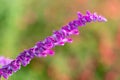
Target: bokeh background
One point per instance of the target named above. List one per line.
(93, 55)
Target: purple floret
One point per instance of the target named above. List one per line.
(43, 48)
(4, 61)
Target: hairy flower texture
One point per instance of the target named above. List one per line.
(43, 48)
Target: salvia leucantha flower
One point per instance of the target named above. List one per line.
(44, 48)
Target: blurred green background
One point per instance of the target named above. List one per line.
(93, 55)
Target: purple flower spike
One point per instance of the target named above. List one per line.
(43, 48)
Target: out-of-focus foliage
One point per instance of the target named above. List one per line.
(93, 55)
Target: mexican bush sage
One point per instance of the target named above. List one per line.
(44, 48)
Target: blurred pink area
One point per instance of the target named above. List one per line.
(4, 61)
